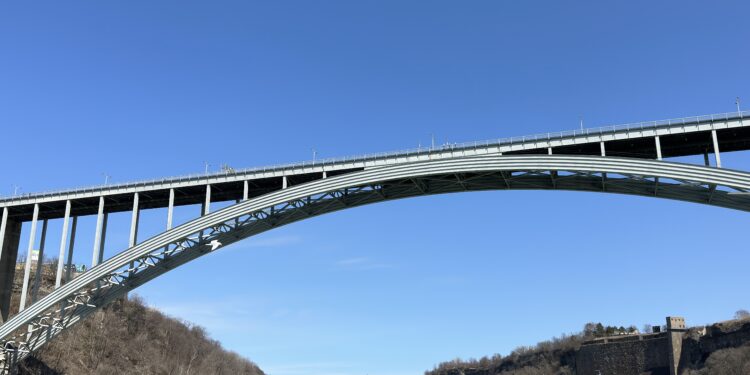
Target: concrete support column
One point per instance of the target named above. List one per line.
(70, 249)
(325, 174)
(601, 146)
(39, 264)
(101, 230)
(245, 190)
(207, 204)
(284, 182)
(10, 236)
(717, 153)
(27, 267)
(549, 150)
(658, 148)
(63, 244)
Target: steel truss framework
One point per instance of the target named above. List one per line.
(42, 321)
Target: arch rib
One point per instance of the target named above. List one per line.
(40, 322)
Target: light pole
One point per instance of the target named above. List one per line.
(106, 178)
(737, 102)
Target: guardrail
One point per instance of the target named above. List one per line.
(407, 152)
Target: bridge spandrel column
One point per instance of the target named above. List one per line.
(71, 246)
(134, 220)
(63, 244)
(99, 235)
(170, 209)
(27, 267)
(39, 263)
(207, 203)
(717, 153)
(10, 236)
(658, 147)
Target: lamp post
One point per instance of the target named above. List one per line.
(737, 102)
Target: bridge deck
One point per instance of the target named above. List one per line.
(677, 137)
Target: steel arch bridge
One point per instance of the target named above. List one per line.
(268, 198)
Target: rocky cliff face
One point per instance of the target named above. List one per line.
(700, 344)
(722, 348)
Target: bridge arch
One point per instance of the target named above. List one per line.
(42, 321)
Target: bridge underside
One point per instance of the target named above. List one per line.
(32, 328)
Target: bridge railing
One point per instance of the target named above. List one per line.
(408, 152)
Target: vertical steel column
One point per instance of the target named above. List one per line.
(325, 175)
(5, 255)
(134, 217)
(170, 209)
(705, 159)
(104, 237)
(245, 190)
(717, 154)
(658, 147)
(10, 235)
(284, 182)
(205, 207)
(27, 268)
(134, 222)
(549, 150)
(170, 212)
(39, 264)
(70, 248)
(98, 235)
(604, 174)
(3, 229)
(63, 244)
(207, 203)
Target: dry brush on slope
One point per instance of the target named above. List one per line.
(127, 337)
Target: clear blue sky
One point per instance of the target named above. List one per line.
(146, 89)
